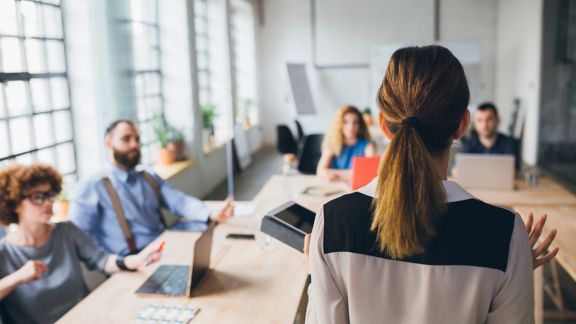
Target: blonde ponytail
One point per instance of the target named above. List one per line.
(410, 196)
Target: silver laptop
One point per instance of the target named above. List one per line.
(485, 171)
(177, 280)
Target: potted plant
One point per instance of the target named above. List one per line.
(61, 207)
(367, 114)
(244, 108)
(208, 114)
(171, 141)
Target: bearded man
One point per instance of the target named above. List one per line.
(121, 210)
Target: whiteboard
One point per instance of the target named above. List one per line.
(300, 89)
(346, 30)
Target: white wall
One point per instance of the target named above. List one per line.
(473, 21)
(286, 36)
(518, 70)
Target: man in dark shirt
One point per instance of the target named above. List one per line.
(485, 138)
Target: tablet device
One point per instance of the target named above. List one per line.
(289, 223)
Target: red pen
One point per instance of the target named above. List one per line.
(158, 250)
(161, 247)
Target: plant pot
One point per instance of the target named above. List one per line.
(368, 119)
(166, 156)
(206, 138)
(178, 148)
(61, 210)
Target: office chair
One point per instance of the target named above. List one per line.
(300, 131)
(310, 153)
(285, 140)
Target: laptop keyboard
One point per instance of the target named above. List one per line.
(167, 280)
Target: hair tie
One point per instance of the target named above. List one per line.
(412, 121)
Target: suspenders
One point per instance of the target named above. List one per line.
(120, 212)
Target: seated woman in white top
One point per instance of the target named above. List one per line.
(411, 247)
(40, 275)
(347, 137)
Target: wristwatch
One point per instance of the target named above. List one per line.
(121, 265)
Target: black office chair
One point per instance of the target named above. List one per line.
(300, 131)
(285, 140)
(310, 153)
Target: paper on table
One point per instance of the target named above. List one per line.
(244, 209)
(241, 208)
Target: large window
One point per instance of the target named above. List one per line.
(244, 61)
(203, 69)
(147, 72)
(212, 67)
(35, 113)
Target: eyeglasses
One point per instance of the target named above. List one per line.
(38, 198)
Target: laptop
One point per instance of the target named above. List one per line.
(364, 170)
(485, 171)
(179, 280)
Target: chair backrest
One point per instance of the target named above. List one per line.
(286, 143)
(300, 130)
(310, 153)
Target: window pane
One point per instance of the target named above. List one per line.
(46, 156)
(3, 140)
(200, 7)
(35, 56)
(16, 97)
(66, 161)
(11, 55)
(63, 126)
(31, 18)
(200, 25)
(20, 135)
(143, 111)
(53, 21)
(8, 17)
(42, 130)
(25, 159)
(202, 58)
(56, 58)
(139, 85)
(203, 79)
(155, 105)
(201, 44)
(40, 99)
(153, 84)
(59, 92)
(204, 96)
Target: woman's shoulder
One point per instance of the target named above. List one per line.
(349, 210)
(67, 229)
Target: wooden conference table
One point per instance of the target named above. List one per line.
(257, 281)
(262, 281)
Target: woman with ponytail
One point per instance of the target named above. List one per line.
(411, 247)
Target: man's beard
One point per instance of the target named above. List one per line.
(125, 159)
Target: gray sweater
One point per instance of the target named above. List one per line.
(61, 287)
